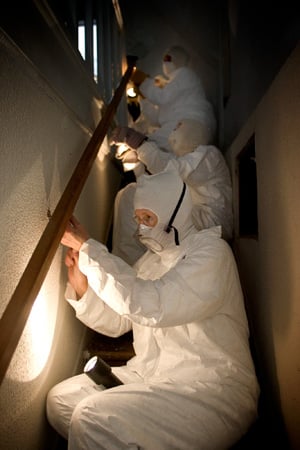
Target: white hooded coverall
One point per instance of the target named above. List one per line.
(205, 171)
(182, 97)
(192, 384)
(207, 175)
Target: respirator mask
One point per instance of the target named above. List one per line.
(161, 236)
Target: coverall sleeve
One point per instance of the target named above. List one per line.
(160, 96)
(190, 291)
(95, 314)
(152, 157)
(203, 164)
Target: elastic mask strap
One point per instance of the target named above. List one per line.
(170, 226)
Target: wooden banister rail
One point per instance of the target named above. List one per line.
(15, 316)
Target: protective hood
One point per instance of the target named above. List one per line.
(168, 197)
(177, 55)
(174, 58)
(187, 136)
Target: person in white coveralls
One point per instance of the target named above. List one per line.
(202, 167)
(191, 384)
(166, 100)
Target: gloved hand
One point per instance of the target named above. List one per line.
(160, 81)
(128, 136)
(129, 157)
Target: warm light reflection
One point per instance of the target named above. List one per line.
(129, 166)
(34, 348)
(131, 92)
(121, 149)
(39, 330)
(104, 150)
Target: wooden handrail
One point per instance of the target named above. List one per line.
(15, 316)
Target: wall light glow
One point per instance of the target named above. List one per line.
(39, 333)
(131, 92)
(32, 353)
(104, 150)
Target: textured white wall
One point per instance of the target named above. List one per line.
(40, 145)
(270, 266)
(42, 139)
